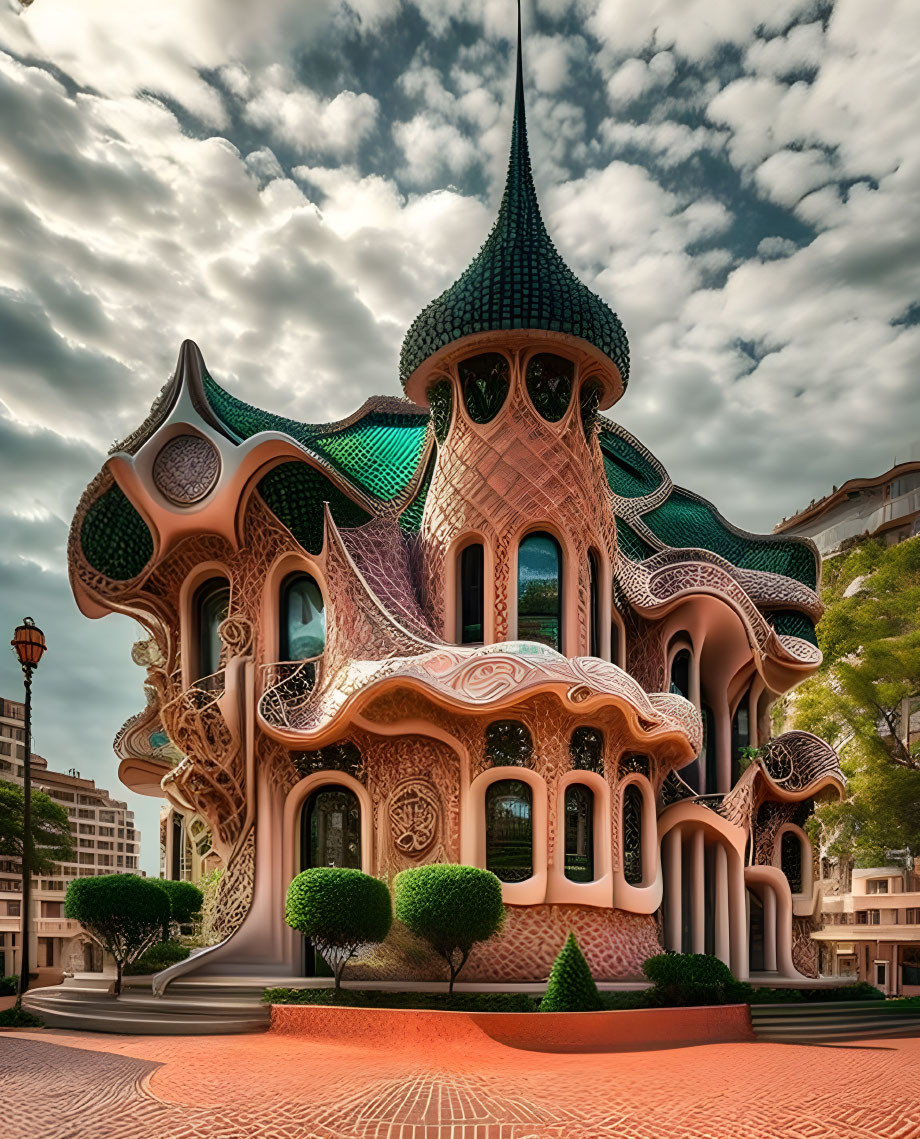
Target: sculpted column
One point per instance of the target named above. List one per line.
(698, 893)
(673, 889)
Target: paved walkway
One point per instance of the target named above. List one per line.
(64, 1085)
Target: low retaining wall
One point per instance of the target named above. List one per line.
(615, 1031)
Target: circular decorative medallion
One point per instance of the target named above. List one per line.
(414, 810)
(186, 469)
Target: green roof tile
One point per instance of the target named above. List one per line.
(629, 472)
(296, 492)
(114, 537)
(633, 545)
(791, 623)
(518, 279)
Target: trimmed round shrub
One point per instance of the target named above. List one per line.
(157, 958)
(124, 912)
(692, 979)
(571, 987)
(451, 907)
(185, 901)
(341, 911)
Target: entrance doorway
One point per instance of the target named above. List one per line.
(330, 835)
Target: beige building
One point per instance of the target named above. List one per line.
(871, 929)
(105, 842)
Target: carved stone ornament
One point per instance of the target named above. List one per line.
(186, 469)
(414, 810)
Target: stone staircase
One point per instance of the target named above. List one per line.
(833, 1021)
(187, 1010)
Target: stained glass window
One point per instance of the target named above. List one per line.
(791, 858)
(540, 590)
(211, 606)
(509, 830)
(632, 835)
(579, 833)
(586, 749)
(331, 829)
(508, 744)
(549, 384)
(484, 380)
(472, 583)
(303, 619)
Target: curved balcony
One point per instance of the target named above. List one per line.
(286, 690)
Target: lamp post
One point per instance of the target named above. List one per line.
(29, 644)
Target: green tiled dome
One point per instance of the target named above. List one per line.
(114, 537)
(518, 280)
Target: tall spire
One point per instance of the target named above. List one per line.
(517, 280)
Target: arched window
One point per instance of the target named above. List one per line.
(472, 586)
(509, 830)
(791, 860)
(632, 835)
(579, 833)
(741, 736)
(540, 590)
(508, 744)
(594, 605)
(302, 634)
(680, 673)
(330, 829)
(586, 748)
(484, 382)
(549, 384)
(211, 606)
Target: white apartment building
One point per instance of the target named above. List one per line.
(105, 842)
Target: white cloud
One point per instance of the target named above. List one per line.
(788, 175)
(635, 78)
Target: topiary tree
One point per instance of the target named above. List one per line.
(451, 907)
(124, 912)
(185, 902)
(571, 987)
(692, 979)
(341, 911)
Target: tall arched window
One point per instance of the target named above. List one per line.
(791, 860)
(579, 833)
(330, 833)
(549, 384)
(302, 633)
(211, 606)
(472, 588)
(540, 590)
(680, 673)
(741, 736)
(509, 830)
(632, 835)
(586, 750)
(594, 605)
(484, 382)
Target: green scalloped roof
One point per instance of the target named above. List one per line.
(296, 492)
(379, 453)
(633, 545)
(518, 279)
(411, 518)
(791, 623)
(685, 521)
(115, 538)
(629, 472)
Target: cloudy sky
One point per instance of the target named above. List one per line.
(288, 184)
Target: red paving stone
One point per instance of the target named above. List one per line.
(68, 1085)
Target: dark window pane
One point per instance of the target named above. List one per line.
(680, 674)
(594, 612)
(791, 857)
(212, 604)
(579, 833)
(472, 577)
(509, 830)
(586, 749)
(331, 829)
(540, 591)
(484, 380)
(741, 737)
(549, 385)
(508, 744)
(632, 835)
(709, 751)
(303, 619)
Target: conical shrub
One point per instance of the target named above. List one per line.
(571, 987)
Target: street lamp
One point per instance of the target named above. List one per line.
(29, 644)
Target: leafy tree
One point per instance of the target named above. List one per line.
(185, 902)
(124, 912)
(341, 911)
(870, 638)
(451, 907)
(571, 988)
(52, 841)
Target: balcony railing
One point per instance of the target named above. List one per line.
(286, 690)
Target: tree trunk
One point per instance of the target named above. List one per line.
(118, 968)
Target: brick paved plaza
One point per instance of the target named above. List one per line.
(86, 1086)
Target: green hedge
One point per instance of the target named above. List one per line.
(157, 957)
(372, 998)
(9, 986)
(683, 979)
(184, 899)
(19, 1018)
(859, 991)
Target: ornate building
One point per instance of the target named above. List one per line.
(478, 624)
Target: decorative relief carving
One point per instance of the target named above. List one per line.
(413, 809)
(186, 469)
